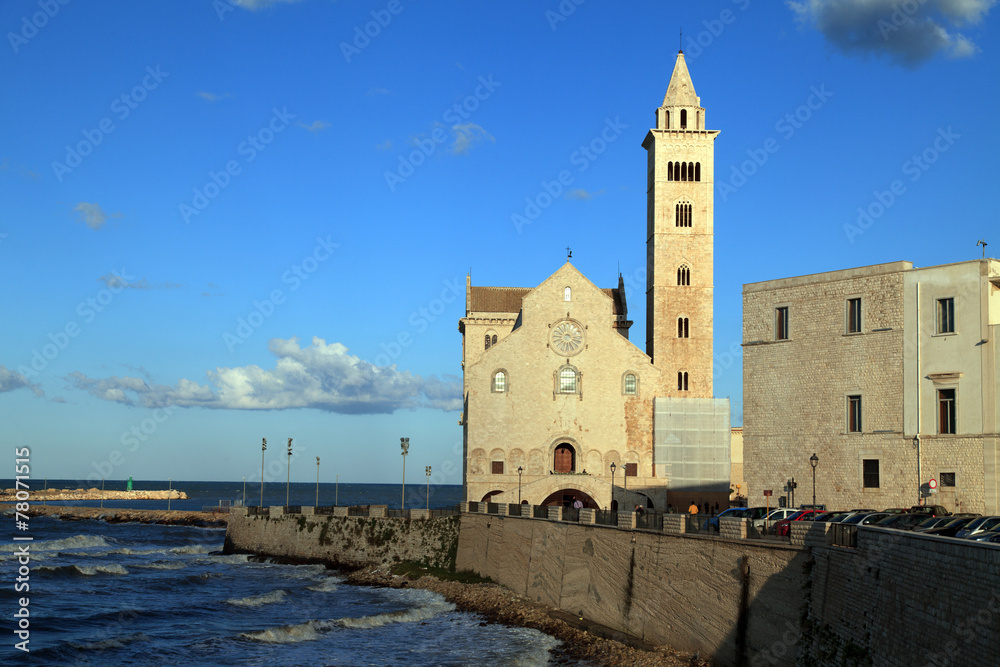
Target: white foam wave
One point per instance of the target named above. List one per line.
(328, 585)
(161, 565)
(87, 570)
(195, 549)
(411, 615)
(303, 571)
(258, 600)
(75, 542)
(113, 642)
(287, 634)
(230, 559)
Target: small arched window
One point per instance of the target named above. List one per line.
(682, 214)
(567, 294)
(683, 275)
(568, 380)
(499, 382)
(670, 171)
(697, 171)
(631, 385)
(487, 341)
(682, 381)
(494, 339)
(683, 327)
(684, 119)
(667, 119)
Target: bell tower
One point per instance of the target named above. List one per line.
(679, 239)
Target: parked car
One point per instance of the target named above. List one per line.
(933, 510)
(983, 524)
(951, 528)
(783, 527)
(993, 538)
(732, 513)
(755, 514)
(896, 510)
(901, 521)
(833, 517)
(774, 517)
(929, 523)
(865, 518)
(985, 536)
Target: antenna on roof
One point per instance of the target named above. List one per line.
(982, 242)
(680, 42)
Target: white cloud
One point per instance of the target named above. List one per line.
(907, 32)
(212, 97)
(321, 376)
(254, 5)
(384, 146)
(93, 215)
(466, 136)
(12, 381)
(317, 126)
(115, 280)
(373, 92)
(582, 194)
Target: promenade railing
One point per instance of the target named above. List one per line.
(649, 521)
(606, 518)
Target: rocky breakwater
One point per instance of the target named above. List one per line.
(8, 495)
(175, 517)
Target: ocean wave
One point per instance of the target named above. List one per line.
(161, 565)
(195, 549)
(75, 542)
(288, 634)
(112, 642)
(303, 571)
(86, 570)
(258, 600)
(421, 613)
(228, 559)
(328, 585)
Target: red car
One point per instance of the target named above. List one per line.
(782, 528)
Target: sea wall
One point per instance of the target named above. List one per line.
(350, 542)
(714, 596)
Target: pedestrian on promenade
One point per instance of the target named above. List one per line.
(693, 509)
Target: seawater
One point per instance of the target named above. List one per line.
(142, 594)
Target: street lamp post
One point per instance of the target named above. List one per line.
(404, 444)
(317, 481)
(519, 471)
(288, 470)
(625, 477)
(813, 460)
(613, 467)
(263, 448)
(428, 471)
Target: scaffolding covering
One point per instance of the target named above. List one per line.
(691, 443)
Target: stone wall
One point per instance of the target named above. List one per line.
(350, 542)
(683, 591)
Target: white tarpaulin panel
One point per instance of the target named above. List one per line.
(691, 443)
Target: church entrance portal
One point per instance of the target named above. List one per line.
(564, 459)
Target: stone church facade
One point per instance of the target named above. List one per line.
(560, 406)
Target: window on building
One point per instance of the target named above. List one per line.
(567, 294)
(500, 382)
(684, 119)
(869, 473)
(781, 323)
(697, 171)
(494, 339)
(854, 315)
(947, 479)
(487, 341)
(667, 120)
(567, 381)
(946, 411)
(854, 414)
(683, 330)
(683, 275)
(682, 381)
(631, 469)
(946, 315)
(682, 214)
(497, 467)
(630, 384)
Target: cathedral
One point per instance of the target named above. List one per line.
(560, 407)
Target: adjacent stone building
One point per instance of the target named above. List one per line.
(888, 373)
(560, 406)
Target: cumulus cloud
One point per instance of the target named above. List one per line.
(316, 126)
(12, 381)
(93, 215)
(907, 31)
(320, 376)
(466, 136)
(384, 146)
(582, 194)
(212, 97)
(114, 279)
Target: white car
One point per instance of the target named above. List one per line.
(774, 517)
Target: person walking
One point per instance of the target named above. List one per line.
(693, 509)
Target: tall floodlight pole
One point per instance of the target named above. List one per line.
(613, 466)
(404, 444)
(428, 472)
(263, 448)
(288, 470)
(317, 481)
(813, 460)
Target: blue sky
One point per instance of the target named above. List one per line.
(225, 221)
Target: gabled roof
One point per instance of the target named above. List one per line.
(508, 299)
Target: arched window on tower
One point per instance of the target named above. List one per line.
(697, 171)
(682, 381)
(487, 341)
(698, 125)
(494, 339)
(667, 119)
(670, 171)
(683, 275)
(684, 119)
(682, 214)
(683, 327)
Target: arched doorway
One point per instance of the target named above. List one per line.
(564, 458)
(566, 498)
(488, 496)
